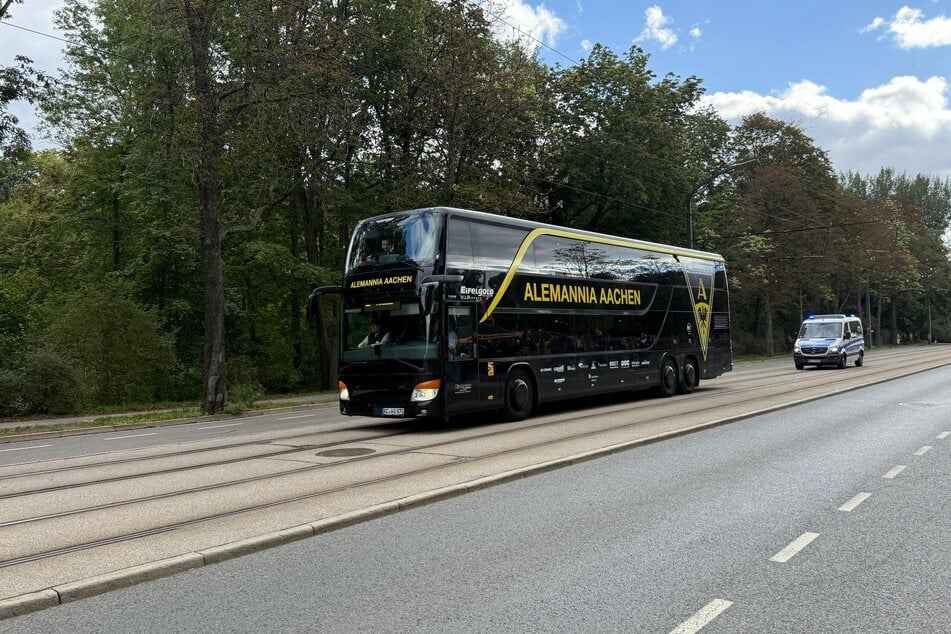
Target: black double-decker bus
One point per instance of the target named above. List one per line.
(447, 311)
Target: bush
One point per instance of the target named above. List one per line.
(51, 385)
(243, 385)
(118, 346)
(45, 383)
(12, 402)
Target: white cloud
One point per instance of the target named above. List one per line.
(911, 30)
(525, 23)
(656, 29)
(695, 32)
(905, 124)
(586, 45)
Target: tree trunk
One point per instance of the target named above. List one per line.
(768, 312)
(893, 317)
(212, 268)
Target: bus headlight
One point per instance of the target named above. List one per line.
(344, 392)
(426, 391)
(833, 349)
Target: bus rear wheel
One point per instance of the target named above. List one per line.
(668, 378)
(519, 395)
(689, 377)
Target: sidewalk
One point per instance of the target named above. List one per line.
(304, 399)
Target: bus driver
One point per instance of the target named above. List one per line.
(376, 336)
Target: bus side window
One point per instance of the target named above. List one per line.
(461, 329)
(459, 240)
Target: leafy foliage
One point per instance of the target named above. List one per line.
(293, 121)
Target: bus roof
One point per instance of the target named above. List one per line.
(580, 233)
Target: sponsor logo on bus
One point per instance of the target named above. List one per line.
(476, 291)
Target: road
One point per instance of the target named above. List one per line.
(664, 529)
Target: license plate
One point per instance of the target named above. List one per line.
(393, 411)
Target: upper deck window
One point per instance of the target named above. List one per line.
(406, 237)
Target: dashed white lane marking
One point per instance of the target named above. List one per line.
(220, 426)
(25, 448)
(923, 450)
(849, 506)
(293, 417)
(793, 549)
(706, 614)
(154, 433)
(894, 471)
(943, 435)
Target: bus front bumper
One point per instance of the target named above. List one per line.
(427, 409)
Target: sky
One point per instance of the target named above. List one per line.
(867, 80)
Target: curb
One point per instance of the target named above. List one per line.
(106, 428)
(50, 597)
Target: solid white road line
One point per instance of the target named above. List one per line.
(943, 435)
(706, 614)
(220, 426)
(849, 506)
(923, 450)
(154, 433)
(293, 417)
(25, 448)
(793, 549)
(894, 471)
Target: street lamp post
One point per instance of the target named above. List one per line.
(703, 183)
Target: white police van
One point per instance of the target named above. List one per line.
(829, 340)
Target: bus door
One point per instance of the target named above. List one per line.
(462, 367)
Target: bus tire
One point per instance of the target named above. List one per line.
(519, 395)
(668, 378)
(689, 376)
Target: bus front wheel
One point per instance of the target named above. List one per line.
(519, 395)
(689, 376)
(668, 378)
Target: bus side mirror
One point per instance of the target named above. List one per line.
(314, 297)
(428, 286)
(426, 292)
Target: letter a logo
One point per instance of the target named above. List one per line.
(699, 274)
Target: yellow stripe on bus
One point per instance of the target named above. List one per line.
(527, 242)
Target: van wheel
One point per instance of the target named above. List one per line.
(799, 365)
(860, 360)
(668, 378)
(843, 361)
(519, 395)
(689, 377)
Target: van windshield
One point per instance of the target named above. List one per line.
(821, 330)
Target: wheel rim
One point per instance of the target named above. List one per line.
(520, 395)
(670, 377)
(690, 375)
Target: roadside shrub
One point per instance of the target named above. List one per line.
(243, 385)
(118, 347)
(44, 383)
(51, 385)
(12, 402)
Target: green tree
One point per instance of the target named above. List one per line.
(621, 145)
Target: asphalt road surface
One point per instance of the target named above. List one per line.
(829, 516)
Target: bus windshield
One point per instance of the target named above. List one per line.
(401, 332)
(407, 237)
(820, 330)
